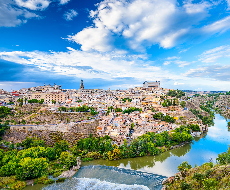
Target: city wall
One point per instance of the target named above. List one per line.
(52, 133)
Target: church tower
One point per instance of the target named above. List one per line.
(82, 85)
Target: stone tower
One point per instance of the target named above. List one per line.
(82, 85)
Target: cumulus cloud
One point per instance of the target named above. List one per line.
(70, 14)
(214, 54)
(93, 38)
(144, 23)
(33, 4)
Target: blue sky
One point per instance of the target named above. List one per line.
(115, 44)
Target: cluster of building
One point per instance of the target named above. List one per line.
(110, 105)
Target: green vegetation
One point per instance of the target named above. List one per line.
(78, 109)
(167, 103)
(20, 100)
(147, 144)
(205, 120)
(183, 103)
(118, 110)
(204, 177)
(3, 127)
(132, 109)
(36, 101)
(229, 124)
(79, 101)
(195, 128)
(4, 111)
(124, 100)
(35, 161)
(167, 118)
(176, 93)
(10, 103)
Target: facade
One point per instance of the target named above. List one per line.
(151, 84)
(48, 97)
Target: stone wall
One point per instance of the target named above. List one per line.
(52, 133)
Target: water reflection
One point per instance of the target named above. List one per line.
(182, 151)
(201, 150)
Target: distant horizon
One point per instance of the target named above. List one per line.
(108, 88)
(184, 44)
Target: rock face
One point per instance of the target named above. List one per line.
(72, 171)
(52, 133)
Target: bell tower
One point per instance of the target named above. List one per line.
(82, 85)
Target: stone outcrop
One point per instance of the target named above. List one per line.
(52, 133)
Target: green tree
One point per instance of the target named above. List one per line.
(183, 103)
(31, 168)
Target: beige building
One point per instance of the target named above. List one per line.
(48, 97)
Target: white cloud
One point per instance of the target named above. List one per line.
(33, 4)
(93, 38)
(218, 26)
(70, 14)
(166, 62)
(182, 63)
(141, 23)
(107, 66)
(118, 66)
(215, 72)
(228, 3)
(173, 58)
(11, 15)
(177, 83)
(62, 2)
(176, 60)
(214, 54)
(196, 8)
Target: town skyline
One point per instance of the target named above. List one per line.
(115, 44)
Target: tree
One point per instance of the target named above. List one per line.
(31, 168)
(53, 102)
(183, 103)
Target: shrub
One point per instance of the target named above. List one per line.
(61, 179)
(31, 168)
(18, 185)
(185, 186)
(67, 159)
(44, 180)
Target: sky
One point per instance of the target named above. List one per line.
(115, 44)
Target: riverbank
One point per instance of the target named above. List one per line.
(205, 176)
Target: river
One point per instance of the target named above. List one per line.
(149, 171)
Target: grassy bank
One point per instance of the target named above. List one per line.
(206, 176)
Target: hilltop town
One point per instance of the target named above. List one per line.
(120, 114)
(54, 129)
